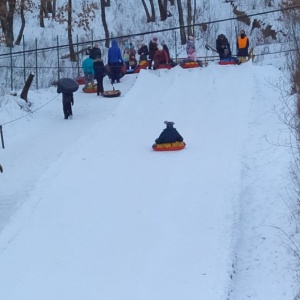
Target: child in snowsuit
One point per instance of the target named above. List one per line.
(190, 44)
(160, 57)
(169, 135)
(152, 50)
(222, 44)
(99, 74)
(68, 101)
(143, 52)
(88, 70)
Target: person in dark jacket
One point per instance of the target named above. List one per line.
(152, 50)
(143, 52)
(242, 45)
(222, 44)
(115, 61)
(68, 101)
(99, 74)
(95, 51)
(169, 134)
(1, 169)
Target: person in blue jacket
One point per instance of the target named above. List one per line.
(88, 71)
(115, 61)
(169, 134)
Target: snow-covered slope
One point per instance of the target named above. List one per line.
(99, 215)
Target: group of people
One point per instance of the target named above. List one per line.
(94, 68)
(223, 47)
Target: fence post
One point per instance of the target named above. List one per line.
(24, 64)
(57, 44)
(175, 38)
(11, 69)
(36, 65)
(77, 57)
(1, 133)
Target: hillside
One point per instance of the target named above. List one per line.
(92, 212)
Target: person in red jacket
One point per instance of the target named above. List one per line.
(242, 44)
(160, 57)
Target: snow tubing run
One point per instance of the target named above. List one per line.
(111, 94)
(169, 146)
(67, 85)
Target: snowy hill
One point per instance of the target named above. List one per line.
(91, 212)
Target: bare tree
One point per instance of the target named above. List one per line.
(7, 10)
(150, 17)
(53, 9)
(10, 23)
(71, 46)
(189, 17)
(181, 22)
(103, 17)
(163, 9)
(19, 38)
(43, 12)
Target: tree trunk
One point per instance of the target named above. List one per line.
(19, 38)
(27, 87)
(162, 10)
(103, 17)
(3, 13)
(107, 3)
(189, 17)
(181, 22)
(150, 18)
(153, 15)
(53, 9)
(71, 46)
(10, 23)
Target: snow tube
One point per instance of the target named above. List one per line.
(169, 146)
(144, 64)
(191, 64)
(163, 66)
(229, 61)
(130, 71)
(90, 89)
(67, 85)
(111, 94)
(80, 80)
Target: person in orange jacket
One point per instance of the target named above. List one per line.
(242, 44)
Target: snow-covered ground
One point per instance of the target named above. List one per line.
(90, 211)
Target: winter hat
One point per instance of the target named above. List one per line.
(160, 47)
(155, 39)
(169, 123)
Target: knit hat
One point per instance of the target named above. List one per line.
(155, 38)
(169, 123)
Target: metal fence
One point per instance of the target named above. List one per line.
(51, 63)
